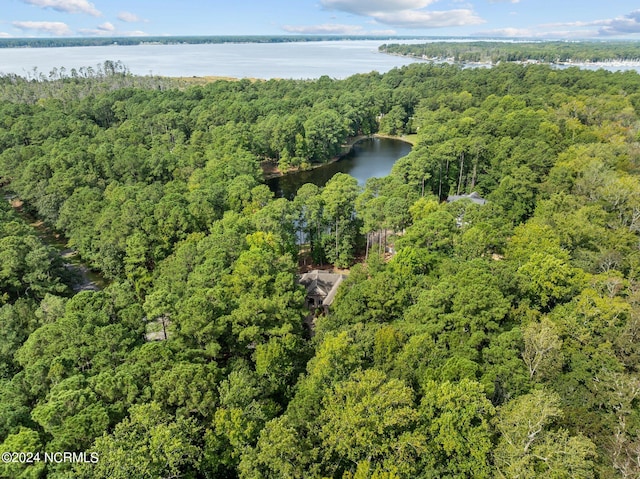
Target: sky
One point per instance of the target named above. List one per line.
(543, 19)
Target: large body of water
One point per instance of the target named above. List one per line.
(371, 157)
(298, 60)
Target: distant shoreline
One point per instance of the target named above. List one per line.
(604, 63)
(189, 40)
(584, 54)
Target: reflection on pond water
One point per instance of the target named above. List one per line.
(371, 157)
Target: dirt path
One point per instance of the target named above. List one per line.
(83, 278)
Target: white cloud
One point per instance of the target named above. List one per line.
(382, 32)
(625, 25)
(326, 28)
(507, 32)
(427, 19)
(5, 35)
(53, 28)
(67, 6)
(405, 13)
(367, 7)
(335, 29)
(109, 30)
(107, 27)
(129, 17)
(536, 33)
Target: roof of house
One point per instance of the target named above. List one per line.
(474, 197)
(321, 283)
(332, 293)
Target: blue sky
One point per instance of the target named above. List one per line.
(488, 18)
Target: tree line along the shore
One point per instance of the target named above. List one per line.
(495, 52)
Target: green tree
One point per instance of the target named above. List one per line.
(528, 447)
(339, 196)
(23, 440)
(548, 280)
(245, 408)
(325, 131)
(370, 417)
(541, 348)
(393, 123)
(17, 321)
(72, 415)
(170, 447)
(308, 206)
(456, 425)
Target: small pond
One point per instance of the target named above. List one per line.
(371, 157)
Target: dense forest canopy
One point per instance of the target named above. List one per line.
(494, 52)
(498, 340)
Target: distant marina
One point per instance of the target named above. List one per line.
(611, 65)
